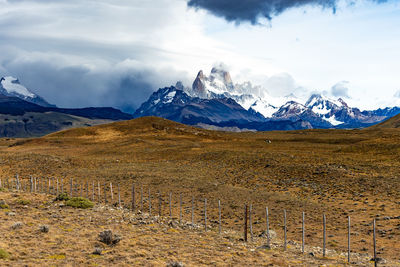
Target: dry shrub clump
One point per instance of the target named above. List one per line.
(107, 237)
(79, 202)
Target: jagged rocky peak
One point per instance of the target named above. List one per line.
(341, 101)
(221, 74)
(199, 87)
(179, 86)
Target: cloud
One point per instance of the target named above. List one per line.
(340, 89)
(252, 10)
(397, 94)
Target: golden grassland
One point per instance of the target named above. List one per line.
(333, 172)
(73, 236)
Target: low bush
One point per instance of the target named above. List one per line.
(23, 202)
(3, 254)
(79, 202)
(62, 197)
(3, 205)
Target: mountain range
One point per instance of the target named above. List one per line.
(215, 101)
(212, 102)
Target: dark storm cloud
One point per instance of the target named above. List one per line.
(252, 10)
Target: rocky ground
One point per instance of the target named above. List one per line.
(73, 239)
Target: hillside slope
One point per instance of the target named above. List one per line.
(392, 123)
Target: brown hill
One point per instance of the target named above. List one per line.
(393, 122)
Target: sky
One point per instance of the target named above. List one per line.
(80, 53)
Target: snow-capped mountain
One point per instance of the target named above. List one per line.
(252, 107)
(175, 104)
(10, 86)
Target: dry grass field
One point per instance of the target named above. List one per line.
(333, 172)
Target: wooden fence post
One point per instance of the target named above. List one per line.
(284, 230)
(205, 214)
(87, 189)
(133, 197)
(302, 233)
(149, 202)
(35, 184)
(62, 185)
(374, 240)
(170, 205)
(81, 190)
(49, 185)
(267, 222)
(192, 210)
(180, 208)
(251, 222)
(324, 236)
(93, 191)
(348, 241)
(111, 192)
(245, 223)
(57, 187)
(119, 197)
(98, 192)
(219, 216)
(141, 198)
(105, 193)
(70, 187)
(159, 203)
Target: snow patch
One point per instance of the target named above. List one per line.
(11, 85)
(332, 120)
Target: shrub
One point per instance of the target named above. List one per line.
(62, 197)
(44, 228)
(108, 238)
(3, 254)
(3, 205)
(175, 264)
(23, 202)
(79, 202)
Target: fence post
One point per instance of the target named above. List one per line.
(70, 187)
(30, 183)
(54, 182)
(81, 190)
(111, 192)
(374, 237)
(180, 208)
(267, 220)
(245, 223)
(105, 193)
(141, 198)
(87, 189)
(93, 191)
(57, 187)
(119, 197)
(302, 234)
(170, 205)
(35, 184)
(62, 185)
(219, 216)
(324, 237)
(133, 197)
(205, 214)
(284, 230)
(49, 185)
(149, 203)
(348, 241)
(251, 222)
(98, 192)
(159, 203)
(192, 210)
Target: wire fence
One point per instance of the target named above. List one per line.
(201, 211)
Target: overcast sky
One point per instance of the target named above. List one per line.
(116, 52)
